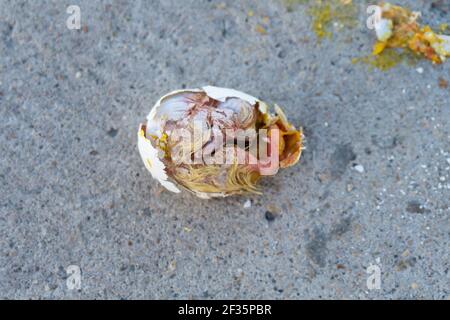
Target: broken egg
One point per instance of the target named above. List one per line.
(398, 28)
(383, 29)
(216, 142)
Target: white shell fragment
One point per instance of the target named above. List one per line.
(150, 156)
(170, 151)
(222, 94)
(248, 204)
(443, 46)
(384, 29)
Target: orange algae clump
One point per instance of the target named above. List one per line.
(406, 33)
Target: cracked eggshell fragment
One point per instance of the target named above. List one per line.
(151, 157)
(383, 29)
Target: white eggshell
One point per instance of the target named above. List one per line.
(150, 156)
(384, 29)
(221, 94)
(443, 47)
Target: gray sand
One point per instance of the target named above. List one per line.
(373, 182)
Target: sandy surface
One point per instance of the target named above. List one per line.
(372, 184)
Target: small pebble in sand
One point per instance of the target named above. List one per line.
(443, 84)
(420, 70)
(358, 168)
(247, 204)
(270, 216)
